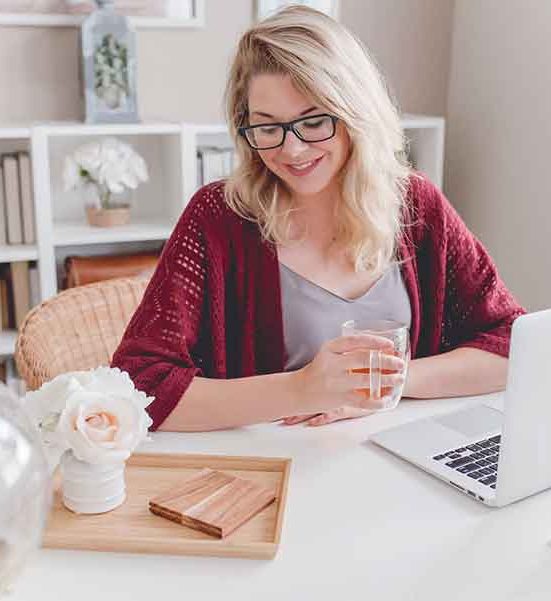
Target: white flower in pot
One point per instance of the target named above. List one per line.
(110, 166)
(90, 422)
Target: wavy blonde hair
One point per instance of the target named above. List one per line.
(328, 64)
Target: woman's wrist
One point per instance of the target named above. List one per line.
(413, 387)
(302, 396)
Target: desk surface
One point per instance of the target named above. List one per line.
(360, 524)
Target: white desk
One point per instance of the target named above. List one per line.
(360, 524)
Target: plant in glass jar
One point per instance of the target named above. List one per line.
(90, 423)
(107, 168)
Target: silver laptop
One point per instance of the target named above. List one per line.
(496, 457)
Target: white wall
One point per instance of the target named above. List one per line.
(499, 134)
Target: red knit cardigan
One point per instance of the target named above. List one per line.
(213, 306)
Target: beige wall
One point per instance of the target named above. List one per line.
(181, 72)
(499, 128)
(411, 42)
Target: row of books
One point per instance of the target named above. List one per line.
(19, 292)
(214, 163)
(16, 199)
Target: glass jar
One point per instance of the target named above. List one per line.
(25, 488)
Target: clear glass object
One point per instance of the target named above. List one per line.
(381, 397)
(25, 489)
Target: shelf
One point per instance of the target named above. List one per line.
(77, 233)
(421, 121)
(18, 252)
(77, 128)
(7, 342)
(43, 20)
(15, 132)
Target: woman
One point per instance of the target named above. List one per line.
(322, 203)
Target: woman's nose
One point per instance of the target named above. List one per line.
(292, 145)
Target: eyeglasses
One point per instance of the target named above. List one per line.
(315, 128)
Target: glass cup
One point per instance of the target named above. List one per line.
(381, 397)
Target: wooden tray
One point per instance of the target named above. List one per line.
(133, 528)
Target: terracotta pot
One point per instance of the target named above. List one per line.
(119, 215)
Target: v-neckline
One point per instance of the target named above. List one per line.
(330, 292)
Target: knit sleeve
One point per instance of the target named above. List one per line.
(478, 308)
(159, 346)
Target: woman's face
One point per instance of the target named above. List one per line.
(308, 168)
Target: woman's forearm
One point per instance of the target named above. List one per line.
(461, 372)
(210, 404)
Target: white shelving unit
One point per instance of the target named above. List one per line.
(426, 138)
(195, 21)
(170, 150)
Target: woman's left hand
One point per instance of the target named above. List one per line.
(322, 419)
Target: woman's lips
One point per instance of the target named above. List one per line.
(303, 168)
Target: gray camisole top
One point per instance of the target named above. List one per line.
(312, 315)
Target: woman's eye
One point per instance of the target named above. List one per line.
(268, 130)
(313, 124)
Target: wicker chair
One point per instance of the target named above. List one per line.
(79, 328)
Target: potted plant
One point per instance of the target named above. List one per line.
(106, 169)
(89, 423)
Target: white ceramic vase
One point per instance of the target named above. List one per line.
(89, 488)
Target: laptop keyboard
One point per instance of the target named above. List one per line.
(477, 460)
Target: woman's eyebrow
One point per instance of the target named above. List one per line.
(267, 115)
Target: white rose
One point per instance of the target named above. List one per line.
(103, 427)
(98, 413)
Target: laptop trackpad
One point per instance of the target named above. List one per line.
(474, 422)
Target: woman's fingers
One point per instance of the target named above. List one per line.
(347, 412)
(322, 419)
(346, 344)
(362, 380)
(297, 419)
(360, 360)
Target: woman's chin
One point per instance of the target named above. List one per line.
(304, 188)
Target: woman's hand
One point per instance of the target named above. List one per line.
(322, 419)
(339, 375)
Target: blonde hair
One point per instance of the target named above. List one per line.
(329, 65)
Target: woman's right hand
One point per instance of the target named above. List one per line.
(339, 374)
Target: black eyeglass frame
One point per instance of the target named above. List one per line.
(289, 126)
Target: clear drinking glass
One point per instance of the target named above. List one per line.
(383, 397)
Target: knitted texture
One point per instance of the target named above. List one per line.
(213, 305)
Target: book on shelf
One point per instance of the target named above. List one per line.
(5, 308)
(12, 193)
(18, 293)
(17, 222)
(3, 238)
(27, 205)
(21, 290)
(82, 270)
(214, 163)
